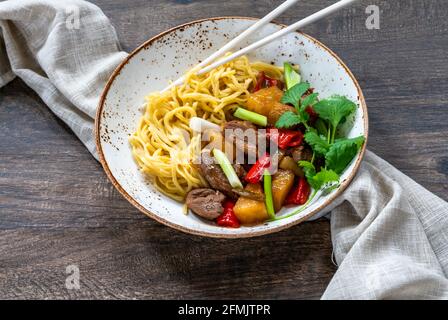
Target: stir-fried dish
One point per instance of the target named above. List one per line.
(241, 142)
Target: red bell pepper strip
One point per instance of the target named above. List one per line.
(285, 138)
(228, 204)
(264, 81)
(228, 217)
(300, 194)
(256, 172)
(296, 140)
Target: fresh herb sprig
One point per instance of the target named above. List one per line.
(338, 153)
(322, 136)
(334, 109)
(342, 152)
(294, 97)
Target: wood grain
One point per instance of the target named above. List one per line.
(57, 207)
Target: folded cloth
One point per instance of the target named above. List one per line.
(63, 50)
(389, 234)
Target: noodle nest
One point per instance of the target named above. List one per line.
(164, 146)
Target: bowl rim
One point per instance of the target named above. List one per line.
(249, 233)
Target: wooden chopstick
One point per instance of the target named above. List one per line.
(234, 42)
(299, 24)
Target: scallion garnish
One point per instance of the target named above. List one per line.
(200, 125)
(292, 77)
(226, 166)
(267, 181)
(253, 117)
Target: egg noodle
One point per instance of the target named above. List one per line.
(160, 145)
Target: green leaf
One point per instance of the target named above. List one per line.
(288, 120)
(318, 144)
(292, 77)
(323, 178)
(294, 94)
(342, 152)
(359, 141)
(309, 100)
(308, 169)
(321, 127)
(317, 180)
(334, 109)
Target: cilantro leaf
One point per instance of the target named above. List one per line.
(334, 109)
(318, 144)
(294, 94)
(359, 141)
(292, 77)
(324, 178)
(288, 120)
(308, 169)
(321, 127)
(317, 180)
(309, 100)
(342, 152)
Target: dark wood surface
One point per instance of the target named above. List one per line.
(57, 207)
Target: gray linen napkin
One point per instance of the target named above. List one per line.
(389, 234)
(67, 63)
(390, 238)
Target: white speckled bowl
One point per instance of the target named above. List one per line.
(166, 57)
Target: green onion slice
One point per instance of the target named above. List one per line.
(267, 180)
(226, 166)
(253, 117)
(291, 76)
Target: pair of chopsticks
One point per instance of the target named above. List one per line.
(208, 64)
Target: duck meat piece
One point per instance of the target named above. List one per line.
(206, 203)
(239, 170)
(214, 175)
(300, 153)
(216, 178)
(249, 194)
(244, 135)
(240, 124)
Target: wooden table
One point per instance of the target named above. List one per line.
(57, 207)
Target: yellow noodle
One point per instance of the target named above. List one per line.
(161, 150)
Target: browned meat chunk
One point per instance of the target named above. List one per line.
(214, 175)
(216, 178)
(206, 203)
(243, 134)
(239, 170)
(301, 153)
(240, 124)
(249, 194)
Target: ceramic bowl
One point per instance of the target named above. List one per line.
(169, 55)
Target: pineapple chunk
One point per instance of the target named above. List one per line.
(282, 183)
(250, 211)
(262, 101)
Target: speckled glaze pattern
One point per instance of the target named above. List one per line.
(169, 55)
